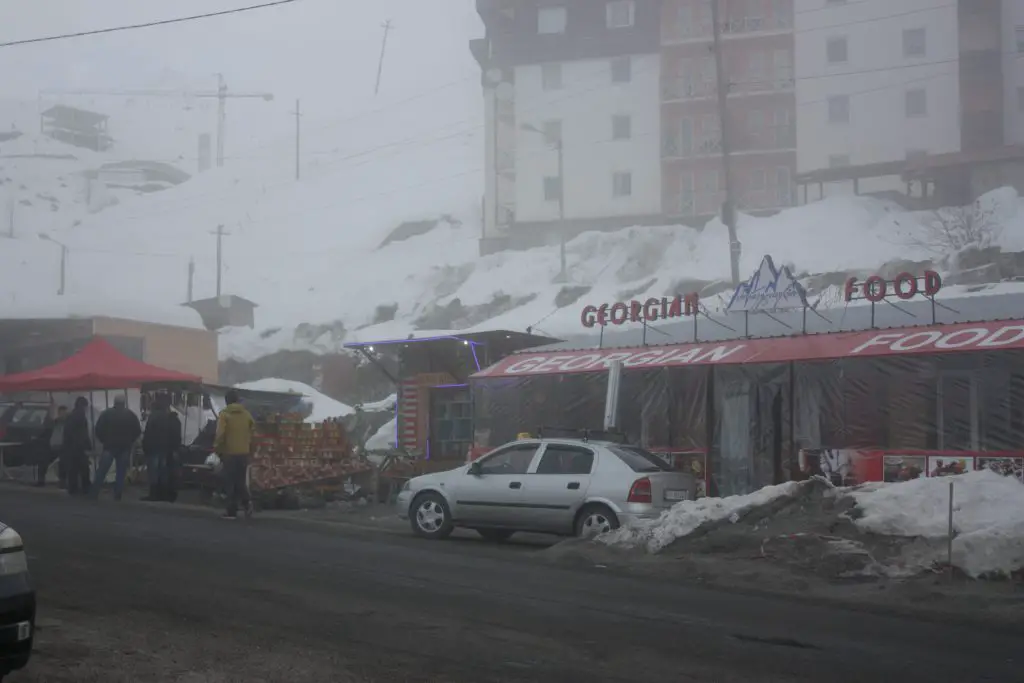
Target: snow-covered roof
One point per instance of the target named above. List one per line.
(324, 407)
(81, 307)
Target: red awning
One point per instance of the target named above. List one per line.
(988, 336)
(96, 367)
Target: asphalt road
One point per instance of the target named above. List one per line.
(133, 592)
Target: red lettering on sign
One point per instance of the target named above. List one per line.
(850, 288)
(875, 288)
(651, 310)
(602, 315)
(619, 313)
(905, 279)
(636, 311)
(589, 316)
(932, 283)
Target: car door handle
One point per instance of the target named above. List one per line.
(573, 485)
(516, 485)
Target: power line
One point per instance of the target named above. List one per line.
(148, 24)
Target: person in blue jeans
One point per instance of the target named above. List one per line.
(117, 430)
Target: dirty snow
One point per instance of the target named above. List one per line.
(988, 517)
(684, 518)
(324, 407)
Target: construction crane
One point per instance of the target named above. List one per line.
(221, 94)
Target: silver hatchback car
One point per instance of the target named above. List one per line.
(556, 486)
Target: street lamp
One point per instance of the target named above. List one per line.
(561, 196)
(63, 260)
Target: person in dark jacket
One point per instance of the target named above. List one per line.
(51, 449)
(76, 447)
(117, 430)
(160, 443)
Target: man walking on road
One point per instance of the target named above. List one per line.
(233, 444)
(117, 430)
(76, 447)
(160, 442)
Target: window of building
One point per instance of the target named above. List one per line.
(782, 65)
(838, 160)
(914, 42)
(784, 186)
(622, 69)
(836, 50)
(755, 123)
(1020, 38)
(552, 132)
(839, 109)
(1020, 98)
(552, 188)
(757, 180)
(622, 184)
(917, 103)
(621, 13)
(622, 127)
(552, 20)
(551, 76)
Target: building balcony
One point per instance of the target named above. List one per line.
(676, 148)
(680, 90)
(675, 32)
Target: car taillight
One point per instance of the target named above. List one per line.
(640, 491)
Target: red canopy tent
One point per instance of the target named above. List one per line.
(97, 367)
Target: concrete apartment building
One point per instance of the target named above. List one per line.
(572, 117)
(757, 44)
(921, 82)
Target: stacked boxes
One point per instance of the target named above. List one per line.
(290, 452)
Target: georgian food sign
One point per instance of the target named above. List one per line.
(904, 286)
(984, 336)
(647, 311)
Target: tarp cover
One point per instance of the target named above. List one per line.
(96, 367)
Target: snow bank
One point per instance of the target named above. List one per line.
(324, 407)
(380, 406)
(384, 439)
(684, 518)
(988, 517)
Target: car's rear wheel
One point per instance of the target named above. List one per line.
(595, 519)
(495, 535)
(431, 517)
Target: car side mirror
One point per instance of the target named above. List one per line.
(474, 469)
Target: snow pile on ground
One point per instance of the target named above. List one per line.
(384, 439)
(988, 517)
(684, 518)
(323, 406)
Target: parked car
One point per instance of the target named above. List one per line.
(28, 425)
(556, 486)
(17, 603)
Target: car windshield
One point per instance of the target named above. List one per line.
(29, 417)
(640, 460)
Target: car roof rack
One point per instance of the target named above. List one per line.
(584, 434)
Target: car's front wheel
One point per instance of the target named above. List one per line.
(431, 517)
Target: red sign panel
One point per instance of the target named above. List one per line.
(988, 336)
(905, 286)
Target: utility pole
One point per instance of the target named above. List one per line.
(729, 206)
(561, 209)
(222, 96)
(191, 276)
(10, 217)
(298, 128)
(383, 47)
(220, 233)
(63, 269)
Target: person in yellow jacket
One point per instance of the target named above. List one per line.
(233, 445)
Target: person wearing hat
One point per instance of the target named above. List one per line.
(117, 430)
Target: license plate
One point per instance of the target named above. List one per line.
(24, 630)
(676, 495)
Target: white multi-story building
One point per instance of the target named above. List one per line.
(572, 107)
(881, 82)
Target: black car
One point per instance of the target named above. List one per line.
(28, 425)
(17, 603)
